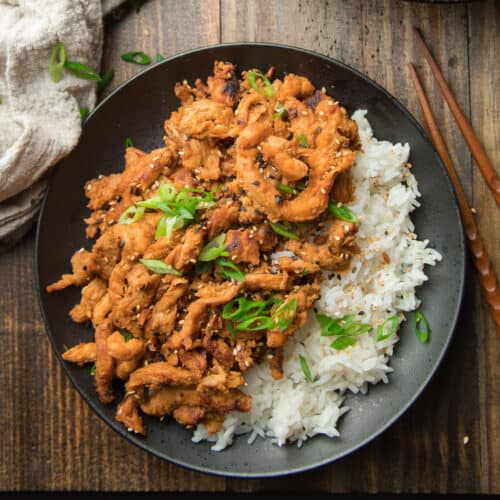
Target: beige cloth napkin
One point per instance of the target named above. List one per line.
(40, 120)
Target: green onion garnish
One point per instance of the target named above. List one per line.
(241, 307)
(422, 335)
(230, 270)
(256, 323)
(287, 189)
(214, 249)
(282, 231)
(230, 327)
(305, 368)
(342, 212)
(388, 327)
(285, 314)
(82, 71)
(84, 113)
(160, 267)
(345, 329)
(342, 342)
(136, 57)
(92, 370)
(127, 337)
(179, 208)
(159, 58)
(201, 267)
(131, 214)
(57, 58)
(302, 139)
(129, 143)
(280, 109)
(269, 91)
(105, 80)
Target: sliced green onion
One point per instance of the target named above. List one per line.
(92, 370)
(160, 267)
(228, 269)
(127, 337)
(269, 91)
(131, 215)
(214, 249)
(230, 327)
(305, 368)
(167, 192)
(172, 224)
(57, 58)
(388, 327)
(302, 139)
(159, 58)
(256, 323)
(106, 79)
(136, 57)
(287, 189)
(201, 267)
(282, 231)
(340, 343)
(129, 143)
(84, 113)
(82, 71)
(280, 109)
(244, 308)
(285, 314)
(422, 334)
(342, 212)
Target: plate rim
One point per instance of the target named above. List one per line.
(133, 438)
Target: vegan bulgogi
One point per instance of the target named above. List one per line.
(210, 251)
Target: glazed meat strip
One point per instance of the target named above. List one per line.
(208, 253)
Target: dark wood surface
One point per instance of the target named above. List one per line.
(52, 441)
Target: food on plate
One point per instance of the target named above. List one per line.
(252, 269)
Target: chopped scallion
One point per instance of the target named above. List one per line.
(283, 231)
(82, 71)
(136, 57)
(214, 249)
(129, 143)
(230, 327)
(342, 212)
(305, 368)
(252, 75)
(57, 58)
(84, 113)
(424, 333)
(131, 214)
(388, 327)
(92, 370)
(160, 267)
(230, 270)
(159, 58)
(302, 140)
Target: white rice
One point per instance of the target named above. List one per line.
(293, 409)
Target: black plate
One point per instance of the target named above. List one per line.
(137, 109)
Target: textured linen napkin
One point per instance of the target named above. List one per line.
(40, 121)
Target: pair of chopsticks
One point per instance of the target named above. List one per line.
(479, 255)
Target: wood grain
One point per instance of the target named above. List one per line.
(52, 441)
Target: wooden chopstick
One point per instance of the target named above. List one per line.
(477, 150)
(480, 257)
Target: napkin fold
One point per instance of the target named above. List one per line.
(40, 120)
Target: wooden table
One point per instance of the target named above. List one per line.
(50, 438)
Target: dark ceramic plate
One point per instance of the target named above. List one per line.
(137, 109)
